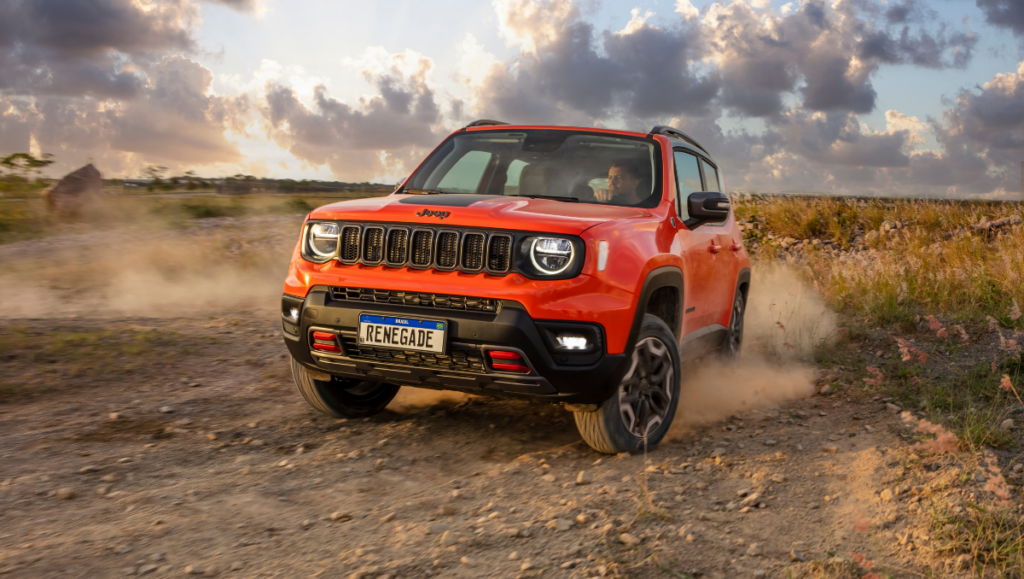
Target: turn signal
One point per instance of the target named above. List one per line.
(325, 342)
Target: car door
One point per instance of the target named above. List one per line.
(697, 248)
(727, 262)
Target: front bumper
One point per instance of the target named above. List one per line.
(577, 378)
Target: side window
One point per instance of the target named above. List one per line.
(515, 169)
(711, 175)
(687, 181)
(464, 176)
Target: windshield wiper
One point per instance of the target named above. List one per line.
(409, 191)
(553, 198)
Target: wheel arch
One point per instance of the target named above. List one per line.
(743, 283)
(661, 296)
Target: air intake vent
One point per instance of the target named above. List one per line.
(422, 248)
(398, 246)
(447, 249)
(499, 253)
(349, 243)
(422, 300)
(373, 245)
(472, 251)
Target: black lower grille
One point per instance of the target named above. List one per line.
(499, 253)
(349, 243)
(457, 359)
(422, 248)
(422, 300)
(473, 251)
(447, 249)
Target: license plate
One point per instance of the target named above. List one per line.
(402, 333)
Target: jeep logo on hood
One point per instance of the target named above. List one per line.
(429, 213)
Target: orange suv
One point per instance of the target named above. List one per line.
(577, 265)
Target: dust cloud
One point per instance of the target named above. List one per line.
(785, 322)
(218, 269)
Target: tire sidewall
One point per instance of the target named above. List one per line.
(616, 431)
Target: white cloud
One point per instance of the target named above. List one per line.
(687, 9)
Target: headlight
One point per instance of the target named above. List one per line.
(551, 255)
(323, 239)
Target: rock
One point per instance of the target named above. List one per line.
(446, 510)
(466, 561)
(193, 570)
(871, 236)
(869, 429)
(147, 569)
(513, 555)
(892, 408)
(90, 468)
(583, 478)
(1006, 424)
(827, 389)
(166, 410)
(830, 448)
(74, 192)
(548, 478)
(770, 442)
(559, 524)
(582, 519)
(717, 452)
(114, 416)
(387, 518)
(754, 550)
(340, 516)
(795, 556)
(66, 494)
(628, 539)
(886, 495)
(237, 566)
(526, 566)
(778, 478)
(437, 528)
(449, 538)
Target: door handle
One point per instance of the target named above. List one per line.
(736, 246)
(714, 248)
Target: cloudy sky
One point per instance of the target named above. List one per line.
(888, 97)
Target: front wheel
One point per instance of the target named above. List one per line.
(343, 398)
(639, 414)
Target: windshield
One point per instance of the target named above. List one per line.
(568, 165)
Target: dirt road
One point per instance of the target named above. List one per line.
(177, 444)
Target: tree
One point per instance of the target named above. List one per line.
(21, 164)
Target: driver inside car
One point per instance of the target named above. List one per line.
(623, 180)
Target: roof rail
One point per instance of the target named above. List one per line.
(671, 132)
(484, 123)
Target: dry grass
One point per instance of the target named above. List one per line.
(919, 271)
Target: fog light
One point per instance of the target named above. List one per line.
(294, 314)
(572, 342)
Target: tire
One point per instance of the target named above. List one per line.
(734, 333)
(639, 407)
(343, 398)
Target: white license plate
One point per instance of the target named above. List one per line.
(402, 333)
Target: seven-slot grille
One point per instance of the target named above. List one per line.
(349, 243)
(424, 247)
(373, 247)
(499, 254)
(398, 246)
(472, 251)
(447, 249)
(423, 300)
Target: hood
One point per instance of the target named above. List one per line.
(486, 211)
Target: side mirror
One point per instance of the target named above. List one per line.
(706, 207)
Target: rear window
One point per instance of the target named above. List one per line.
(582, 166)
